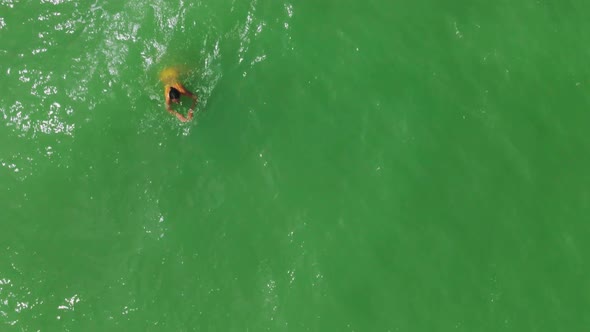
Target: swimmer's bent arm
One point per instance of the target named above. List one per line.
(178, 115)
(170, 110)
(187, 93)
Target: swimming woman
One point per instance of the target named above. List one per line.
(173, 89)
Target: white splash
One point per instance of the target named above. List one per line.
(69, 303)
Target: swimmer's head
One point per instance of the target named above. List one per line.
(174, 95)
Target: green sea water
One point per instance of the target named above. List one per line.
(352, 166)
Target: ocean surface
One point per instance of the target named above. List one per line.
(372, 166)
